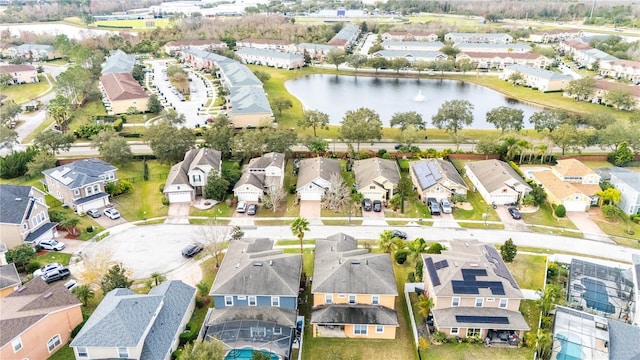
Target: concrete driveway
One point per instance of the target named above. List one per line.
(589, 228)
(445, 220)
(106, 222)
(178, 213)
(509, 222)
(310, 209)
(373, 218)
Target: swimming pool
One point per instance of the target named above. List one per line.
(596, 295)
(568, 350)
(245, 354)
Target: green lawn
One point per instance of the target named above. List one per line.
(23, 93)
(145, 200)
(133, 24)
(528, 270)
(219, 210)
(619, 229)
(544, 216)
(84, 115)
(469, 225)
(53, 257)
(465, 351)
(531, 312)
(479, 206)
(557, 231)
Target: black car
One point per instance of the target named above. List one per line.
(252, 209)
(56, 275)
(377, 205)
(399, 234)
(192, 250)
(514, 213)
(366, 205)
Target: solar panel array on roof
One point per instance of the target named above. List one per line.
(434, 170)
(482, 319)
(425, 175)
(441, 264)
(500, 268)
(470, 274)
(431, 269)
(473, 287)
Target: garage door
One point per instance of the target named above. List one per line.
(177, 197)
(575, 205)
(373, 195)
(95, 204)
(248, 196)
(311, 196)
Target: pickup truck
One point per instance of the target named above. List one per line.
(56, 275)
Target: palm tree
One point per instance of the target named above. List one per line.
(417, 247)
(424, 305)
(84, 293)
(388, 242)
(298, 227)
(157, 278)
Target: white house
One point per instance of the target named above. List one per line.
(535, 78)
(491, 38)
(262, 175)
(269, 57)
(314, 177)
(376, 178)
(436, 178)
(409, 36)
(496, 181)
(411, 55)
(412, 45)
(629, 185)
(188, 178)
(492, 47)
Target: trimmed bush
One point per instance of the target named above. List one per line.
(401, 256)
(32, 266)
(117, 125)
(561, 211)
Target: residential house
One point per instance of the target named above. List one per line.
(635, 272)
(345, 37)
(32, 52)
(629, 185)
(122, 92)
(172, 47)
(411, 55)
(81, 184)
(489, 60)
(518, 48)
(562, 193)
(118, 62)
(37, 320)
(188, 178)
(409, 36)
(593, 336)
(496, 38)
(540, 79)
(314, 177)
(496, 181)
(621, 69)
(9, 279)
(21, 73)
(354, 291)
(133, 326)
(589, 57)
(262, 175)
(249, 107)
(570, 47)
(604, 86)
(412, 45)
(473, 293)
(555, 35)
(24, 216)
(376, 178)
(317, 52)
(264, 44)
(436, 178)
(255, 299)
(575, 171)
(273, 58)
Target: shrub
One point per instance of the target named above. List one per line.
(435, 248)
(439, 337)
(15, 164)
(292, 189)
(32, 266)
(165, 201)
(89, 229)
(401, 256)
(458, 198)
(187, 337)
(411, 277)
(117, 125)
(161, 188)
(561, 211)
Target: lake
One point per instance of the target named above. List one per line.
(336, 94)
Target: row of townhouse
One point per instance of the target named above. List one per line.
(602, 87)
(20, 74)
(491, 60)
(546, 36)
(411, 55)
(31, 52)
(409, 36)
(536, 78)
(174, 47)
(583, 54)
(273, 58)
(621, 69)
(247, 104)
(555, 35)
(120, 91)
(512, 48)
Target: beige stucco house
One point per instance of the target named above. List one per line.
(535, 78)
(436, 178)
(496, 181)
(24, 216)
(376, 178)
(21, 73)
(122, 92)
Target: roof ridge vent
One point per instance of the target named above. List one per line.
(473, 264)
(270, 262)
(355, 262)
(48, 295)
(257, 264)
(18, 199)
(21, 288)
(237, 265)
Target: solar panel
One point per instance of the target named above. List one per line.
(434, 170)
(441, 264)
(424, 175)
(431, 269)
(501, 269)
(473, 287)
(482, 319)
(471, 274)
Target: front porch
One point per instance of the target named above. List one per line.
(502, 338)
(328, 330)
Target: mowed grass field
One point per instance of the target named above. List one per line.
(134, 24)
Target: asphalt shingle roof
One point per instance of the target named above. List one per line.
(118, 62)
(9, 276)
(80, 173)
(122, 86)
(314, 168)
(493, 174)
(340, 314)
(371, 170)
(15, 200)
(269, 53)
(539, 73)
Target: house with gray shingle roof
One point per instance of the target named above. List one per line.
(81, 184)
(345, 37)
(412, 45)
(268, 57)
(436, 178)
(473, 293)
(24, 216)
(496, 181)
(629, 185)
(37, 320)
(255, 298)
(34, 52)
(493, 38)
(133, 326)
(188, 178)
(118, 62)
(491, 47)
(354, 291)
(9, 279)
(535, 78)
(262, 175)
(376, 178)
(411, 55)
(314, 177)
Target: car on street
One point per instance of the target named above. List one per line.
(70, 284)
(252, 209)
(56, 275)
(51, 244)
(111, 213)
(514, 213)
(192, 250)
(445, 206)
(94, 213)
(377, 205)
(47, 268)
(242, 207)
(366, 205)
(434, 207)
(399, 234)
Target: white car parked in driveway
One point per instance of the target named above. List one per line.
(47, 268)
(111, 213)
(52, 244)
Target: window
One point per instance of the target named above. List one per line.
(479, 301)
(359, 329)
(277, 331)
(454, 331)
(328, 299)
(503, 303)
(123, 353)
(54, 342)
(38, 219)
(197, 178)
(473, 332)
(275, 301)
(25, 226)
(379, 329)
(16, 344)
(375, 300)
(455, 302)
(82, 352)
(252, 301)
(228, 300)
(258, 331)
(76, 192)
(372, 187)
(352, 299)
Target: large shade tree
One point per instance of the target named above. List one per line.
(453, 116)
(361, 125)
(506, 118)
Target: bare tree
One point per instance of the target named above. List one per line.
(213, 238)
(276, 196)
(338, 194)
(95, 266)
